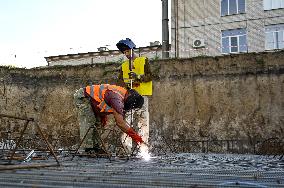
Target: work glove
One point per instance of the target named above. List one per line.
(133, 75)
(134, 136)
(104, 121)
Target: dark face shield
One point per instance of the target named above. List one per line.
(134, 100)
(122, 47)
(125, 44)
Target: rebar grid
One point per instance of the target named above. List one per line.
(172, 170)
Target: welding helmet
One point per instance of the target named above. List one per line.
(134, 100)
(126, 44)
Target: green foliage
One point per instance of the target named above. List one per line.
(156, 57)
(9, 66)
(260, 61)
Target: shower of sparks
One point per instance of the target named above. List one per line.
(144, 152)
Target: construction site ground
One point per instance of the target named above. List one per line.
(170, 170)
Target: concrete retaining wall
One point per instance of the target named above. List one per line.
(204, 98)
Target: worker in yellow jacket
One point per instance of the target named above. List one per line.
(138, 70)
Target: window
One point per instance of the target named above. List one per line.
(229, 7)
(273, 4)
(234, 41)
(274, 37)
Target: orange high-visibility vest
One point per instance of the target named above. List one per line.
(97, 92)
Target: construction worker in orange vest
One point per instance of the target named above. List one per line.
(95, 102)
(136, 74)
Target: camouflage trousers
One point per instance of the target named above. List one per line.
(139, 120)
(87, 118)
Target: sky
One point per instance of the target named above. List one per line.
(33, 29)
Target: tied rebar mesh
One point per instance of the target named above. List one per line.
(171, 170)
(271, 146)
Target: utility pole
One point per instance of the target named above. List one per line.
(165, 30)
(176, 29)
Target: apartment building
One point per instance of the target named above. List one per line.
(216, 27)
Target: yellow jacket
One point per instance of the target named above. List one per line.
(144, 88)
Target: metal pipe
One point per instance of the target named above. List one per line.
(176, 29)
(48, 144)
(15, 117)
(19, 141)
(81, 142)
(12, 167)
(165, 30)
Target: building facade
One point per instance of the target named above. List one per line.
(216, 27)
(152, 52)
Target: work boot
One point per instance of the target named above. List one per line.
(95, 150)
